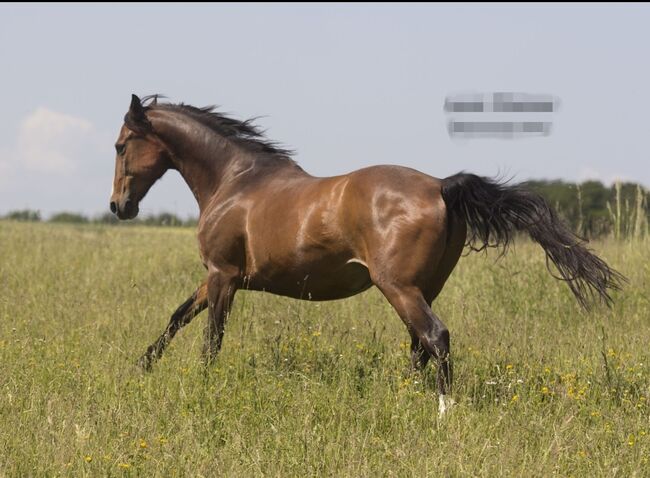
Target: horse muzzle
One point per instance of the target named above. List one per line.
(126, 209)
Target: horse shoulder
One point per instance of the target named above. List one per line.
(221, 235)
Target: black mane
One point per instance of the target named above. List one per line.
(244, 133)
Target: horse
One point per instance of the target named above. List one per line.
(265, 224)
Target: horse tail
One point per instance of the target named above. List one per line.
(495, 210)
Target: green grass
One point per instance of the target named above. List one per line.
(310, 389)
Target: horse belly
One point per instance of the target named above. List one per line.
(338, 282)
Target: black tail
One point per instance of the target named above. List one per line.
(494, 211)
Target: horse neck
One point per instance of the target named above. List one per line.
(207, 161)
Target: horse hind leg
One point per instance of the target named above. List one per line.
(189, 309)
(432, 334)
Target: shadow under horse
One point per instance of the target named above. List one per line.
(265, 224)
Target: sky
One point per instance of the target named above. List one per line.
(345, 85)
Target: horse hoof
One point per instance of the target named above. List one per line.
(145, 363)
(444, 405)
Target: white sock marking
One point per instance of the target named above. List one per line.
(444, 404)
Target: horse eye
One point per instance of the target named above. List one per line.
(120, 148)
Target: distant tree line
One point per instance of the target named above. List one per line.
(591, 209)
(162, 219)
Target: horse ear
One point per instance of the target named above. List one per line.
(136, 111)
(136, 118)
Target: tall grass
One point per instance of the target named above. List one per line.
(310, 389)
(628, 222)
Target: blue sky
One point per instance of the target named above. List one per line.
(347, 86)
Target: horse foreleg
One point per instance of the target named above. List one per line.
(183, 316)
(221, 292)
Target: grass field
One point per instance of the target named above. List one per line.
(310, 389)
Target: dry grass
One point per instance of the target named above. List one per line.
(310, 389)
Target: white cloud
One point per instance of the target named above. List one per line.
(5, 168)
(51, 142)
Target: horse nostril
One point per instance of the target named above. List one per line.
(113, 207)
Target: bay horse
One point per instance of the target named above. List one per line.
(267, 225)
